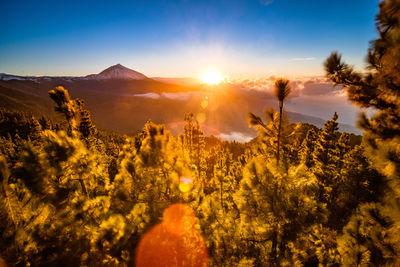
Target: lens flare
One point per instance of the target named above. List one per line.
(174, 242)
(185, 184)
(201, 117)
(204, 104)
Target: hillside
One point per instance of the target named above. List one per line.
(121, 99)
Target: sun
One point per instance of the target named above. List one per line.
(212, 77)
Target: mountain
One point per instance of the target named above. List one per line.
(298, 117)
(117, 72)
(10, 77)
(123, 100)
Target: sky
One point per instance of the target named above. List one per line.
(248, 38)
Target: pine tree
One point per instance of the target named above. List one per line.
(282, 91)
(268, 133)
(65, 106)
(365, 240)
(45, 123)
(343, 145)
(307, 148)
(193, 142)
(378, 89)
(359, 183)
(326, 168)
(276, 208)
(77, 117)
(86, 127)
(218, 211)
(326, 143)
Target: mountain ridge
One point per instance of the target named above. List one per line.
(115, 72)
(126, 104)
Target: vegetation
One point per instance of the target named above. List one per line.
(282, 91)
(73, 195)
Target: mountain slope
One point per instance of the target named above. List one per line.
(117, 72)
(298, 117)
(125, 104)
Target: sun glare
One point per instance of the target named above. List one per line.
(212, 77)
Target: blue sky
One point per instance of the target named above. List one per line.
(250, 38)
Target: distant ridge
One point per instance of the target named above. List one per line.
(115, 72)
(319, 122)
(114, 94)
(118, 72)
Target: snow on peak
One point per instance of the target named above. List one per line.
(9, 77)
(118, 72)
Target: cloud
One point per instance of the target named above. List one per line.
(183, 96)
(177, 96)
(320, 88)
(302, 59)
(300, 87)
(259, 84)
(235, 136)
(148, 95)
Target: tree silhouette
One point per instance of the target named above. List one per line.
(269, 133)
(282, 91)
(78, 118)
